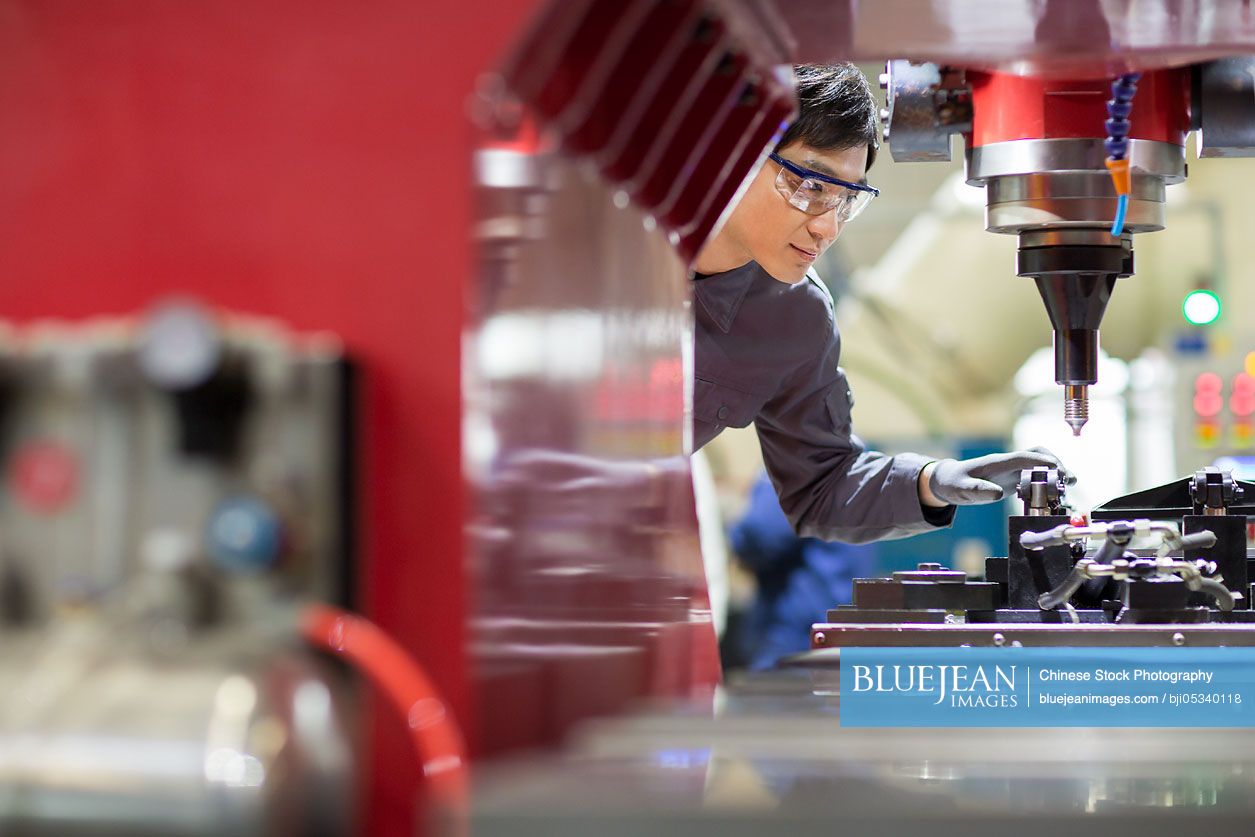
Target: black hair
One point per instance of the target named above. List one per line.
(836, 110)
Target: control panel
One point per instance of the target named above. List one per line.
(184, 437)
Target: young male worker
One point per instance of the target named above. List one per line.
(767, 347)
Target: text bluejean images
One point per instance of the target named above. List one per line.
(1047, 687)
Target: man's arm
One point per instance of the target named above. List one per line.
(830, 484)
(832, 487)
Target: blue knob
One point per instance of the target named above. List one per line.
(244, 535)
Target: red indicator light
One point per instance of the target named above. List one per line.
(1208, 404)
(44, 474)
(1208, 382)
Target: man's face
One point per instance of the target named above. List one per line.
(784, 240)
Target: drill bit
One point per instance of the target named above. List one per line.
(1076, 407)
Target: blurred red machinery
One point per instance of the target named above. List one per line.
(306, 161)
(314, 162)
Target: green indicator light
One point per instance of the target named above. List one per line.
(1201, 307)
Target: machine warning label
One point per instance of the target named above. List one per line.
(1047, 687)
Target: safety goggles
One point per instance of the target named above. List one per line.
(816, 194)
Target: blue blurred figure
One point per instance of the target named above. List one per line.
(799, 579)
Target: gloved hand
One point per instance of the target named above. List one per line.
(986, 479)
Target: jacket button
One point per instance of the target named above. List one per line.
(723, 413)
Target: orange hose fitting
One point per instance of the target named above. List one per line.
(1120, 176)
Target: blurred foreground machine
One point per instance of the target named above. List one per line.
(175, 494)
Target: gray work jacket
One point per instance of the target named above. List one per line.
(767, 352)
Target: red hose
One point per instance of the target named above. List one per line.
(435, 735)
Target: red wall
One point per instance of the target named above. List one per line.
(308, 160)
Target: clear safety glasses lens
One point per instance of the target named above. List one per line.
(814, 197)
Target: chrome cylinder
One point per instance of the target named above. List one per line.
(1020, 203)
(1051, 184)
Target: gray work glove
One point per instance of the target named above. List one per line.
(987, 479)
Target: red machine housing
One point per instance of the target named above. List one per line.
(307, 161)
(1009, 107)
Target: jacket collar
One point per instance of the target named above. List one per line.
(721, 294)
